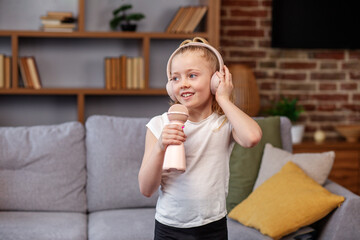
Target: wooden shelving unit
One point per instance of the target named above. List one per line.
(211, 34)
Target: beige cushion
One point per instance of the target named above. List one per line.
(316, 165)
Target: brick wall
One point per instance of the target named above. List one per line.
(326, 82)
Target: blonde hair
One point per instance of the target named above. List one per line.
(211, 58)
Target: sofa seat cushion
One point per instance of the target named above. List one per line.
(43, 226)
(237, 231)
(124, 224)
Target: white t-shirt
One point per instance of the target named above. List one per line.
(197, 196)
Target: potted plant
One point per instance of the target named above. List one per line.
(290, 109)
(125, 20)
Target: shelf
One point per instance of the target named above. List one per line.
(327, 144)
(85, 91)
(131, 35)
(145, 44)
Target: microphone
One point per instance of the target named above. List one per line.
(174, 159)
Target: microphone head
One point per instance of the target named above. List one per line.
(178, 112)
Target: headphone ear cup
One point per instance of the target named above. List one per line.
(169, 90)
(214, 84)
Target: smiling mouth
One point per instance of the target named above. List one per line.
(187, 94)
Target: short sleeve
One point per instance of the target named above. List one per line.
(156, 124)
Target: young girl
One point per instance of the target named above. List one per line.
(191, 205)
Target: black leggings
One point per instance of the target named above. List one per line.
(215, 231)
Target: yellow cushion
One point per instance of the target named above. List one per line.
(285, 202)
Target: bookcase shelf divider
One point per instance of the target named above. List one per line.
(81, 16)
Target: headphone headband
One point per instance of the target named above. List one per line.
(200, 42)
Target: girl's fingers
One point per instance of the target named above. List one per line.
(227, 73)
(220, 76)
(174, 126)
(173, 134)
(174, 130)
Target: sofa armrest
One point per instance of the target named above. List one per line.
(343, 223)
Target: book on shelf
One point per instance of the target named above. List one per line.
(24, 73)
(114, 73)
(62, 25)
(124, 73)
(141, 73)
(175, 20)
(129, 64)
(196, 19)
(187, 19)
(29, 72)
(189, 11)
(34, 73)
(5, 71)
(108, 73)
(59, 14)
(57, 29)
(58, 22)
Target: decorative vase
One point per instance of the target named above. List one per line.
(246, 92)
(319, 136)
(297, 133)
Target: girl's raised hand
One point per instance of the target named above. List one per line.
(226, 86)
(172, 134)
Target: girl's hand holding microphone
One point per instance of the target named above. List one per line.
(172, 134)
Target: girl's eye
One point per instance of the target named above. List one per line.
(192, 75)
(174, 79)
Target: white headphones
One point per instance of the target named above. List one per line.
(197, 41)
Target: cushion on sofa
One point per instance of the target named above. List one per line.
(316, 165)
(237, 231)
(43, 226)
(245, 162)
(124, 224)
(115, 147)
(285, 202)
(42, 168)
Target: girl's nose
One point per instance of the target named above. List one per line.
(184, 83)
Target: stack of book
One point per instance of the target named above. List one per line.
(58, 22)
(124, 73)
(5, 71)
(186, 19)
(29, 72)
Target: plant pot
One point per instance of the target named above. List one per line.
(297, 133)
(128, 27)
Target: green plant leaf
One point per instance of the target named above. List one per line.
(114, 23)
(135, 17)
(122, 8)
(288, 108)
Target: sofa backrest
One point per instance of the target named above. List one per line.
(115, 148)
(285, 131)
(42, 168)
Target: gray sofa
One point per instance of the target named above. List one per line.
(75, 182)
